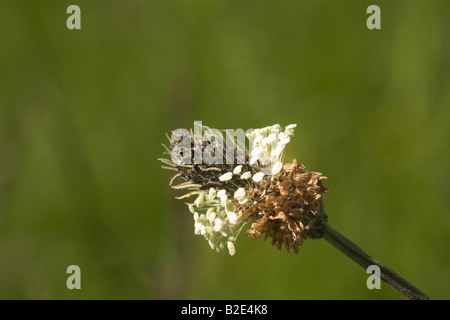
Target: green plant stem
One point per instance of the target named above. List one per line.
(355, 253)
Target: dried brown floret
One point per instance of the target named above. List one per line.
(291, 209)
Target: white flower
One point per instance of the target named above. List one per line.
(246, 175)
(257, 153)
(276, 153)
(275, 127)
(226, 176)
(291, 126)
(232, 217)
(221, 193)
(257, 177)
(268, 144)
(252, 135)
(237, 170)
(290, 129)
(223, 201)
(210, 214)
(240, 193)
(215, 218)
(257, 140)
(218, 224)
(200, 200)
(197, 228)
(285, 141)
(211, 194)
(271, 138)
(200, 228)
(231, 248)
(277, 167)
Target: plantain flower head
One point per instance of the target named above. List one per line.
(280, 201)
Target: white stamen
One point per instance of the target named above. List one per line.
(232, 217)
(246, 175)
(227, 176)
(237, 170)
(277, 167)
(231, 248)
(258, 176)
(240, 194)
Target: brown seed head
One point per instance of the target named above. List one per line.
(291, 209)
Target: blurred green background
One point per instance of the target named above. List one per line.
(83, 114)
